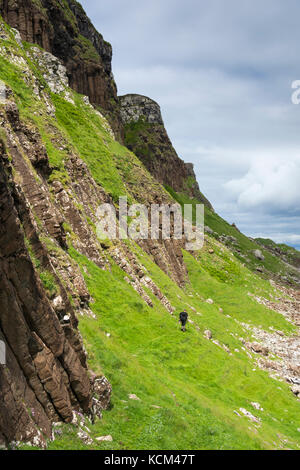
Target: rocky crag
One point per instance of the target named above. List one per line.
(69, 301)
(62, 28)
(45, 379)
(42, 291)
(146, 136)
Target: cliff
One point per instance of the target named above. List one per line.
(78, 312)
(146, 136)
(45, 379)
(62, 28)
(50, 192)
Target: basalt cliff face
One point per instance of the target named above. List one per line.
(45, 378)
(146, 136)
(48, 203)
(76, 307)
(62, 28)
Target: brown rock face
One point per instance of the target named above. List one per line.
(147, 137)
(102, 390)
(44, 378)
(66, 32)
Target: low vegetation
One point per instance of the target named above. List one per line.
(190, 390)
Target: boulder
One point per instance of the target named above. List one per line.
(102, 391)
(104, 439)
(258, 348)
(132, 396)
(258, 254)
(208, 334)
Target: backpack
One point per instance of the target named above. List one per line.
(183, 317)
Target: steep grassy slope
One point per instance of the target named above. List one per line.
(63, 28)
(244, 247)
(191, 389)
(285, 252)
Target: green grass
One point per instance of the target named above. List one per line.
(49, 283)
(77, 127)
(85, 49)
(291, 254)
(135, 133)
(196, 384)
(84, 130)
(244, 247)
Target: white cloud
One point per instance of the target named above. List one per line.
(271, 184)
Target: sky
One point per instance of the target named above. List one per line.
(222, 72)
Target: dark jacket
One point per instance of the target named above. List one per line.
(183, 317)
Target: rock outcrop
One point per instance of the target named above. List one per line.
(64, 29)
(146, 136)
(136, 107)
(45, 376)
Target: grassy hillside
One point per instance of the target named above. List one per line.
(190, 389)
(288, 253)
(244, 247)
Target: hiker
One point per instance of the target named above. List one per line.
(183, 317)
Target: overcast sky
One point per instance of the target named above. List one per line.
(222, 72)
